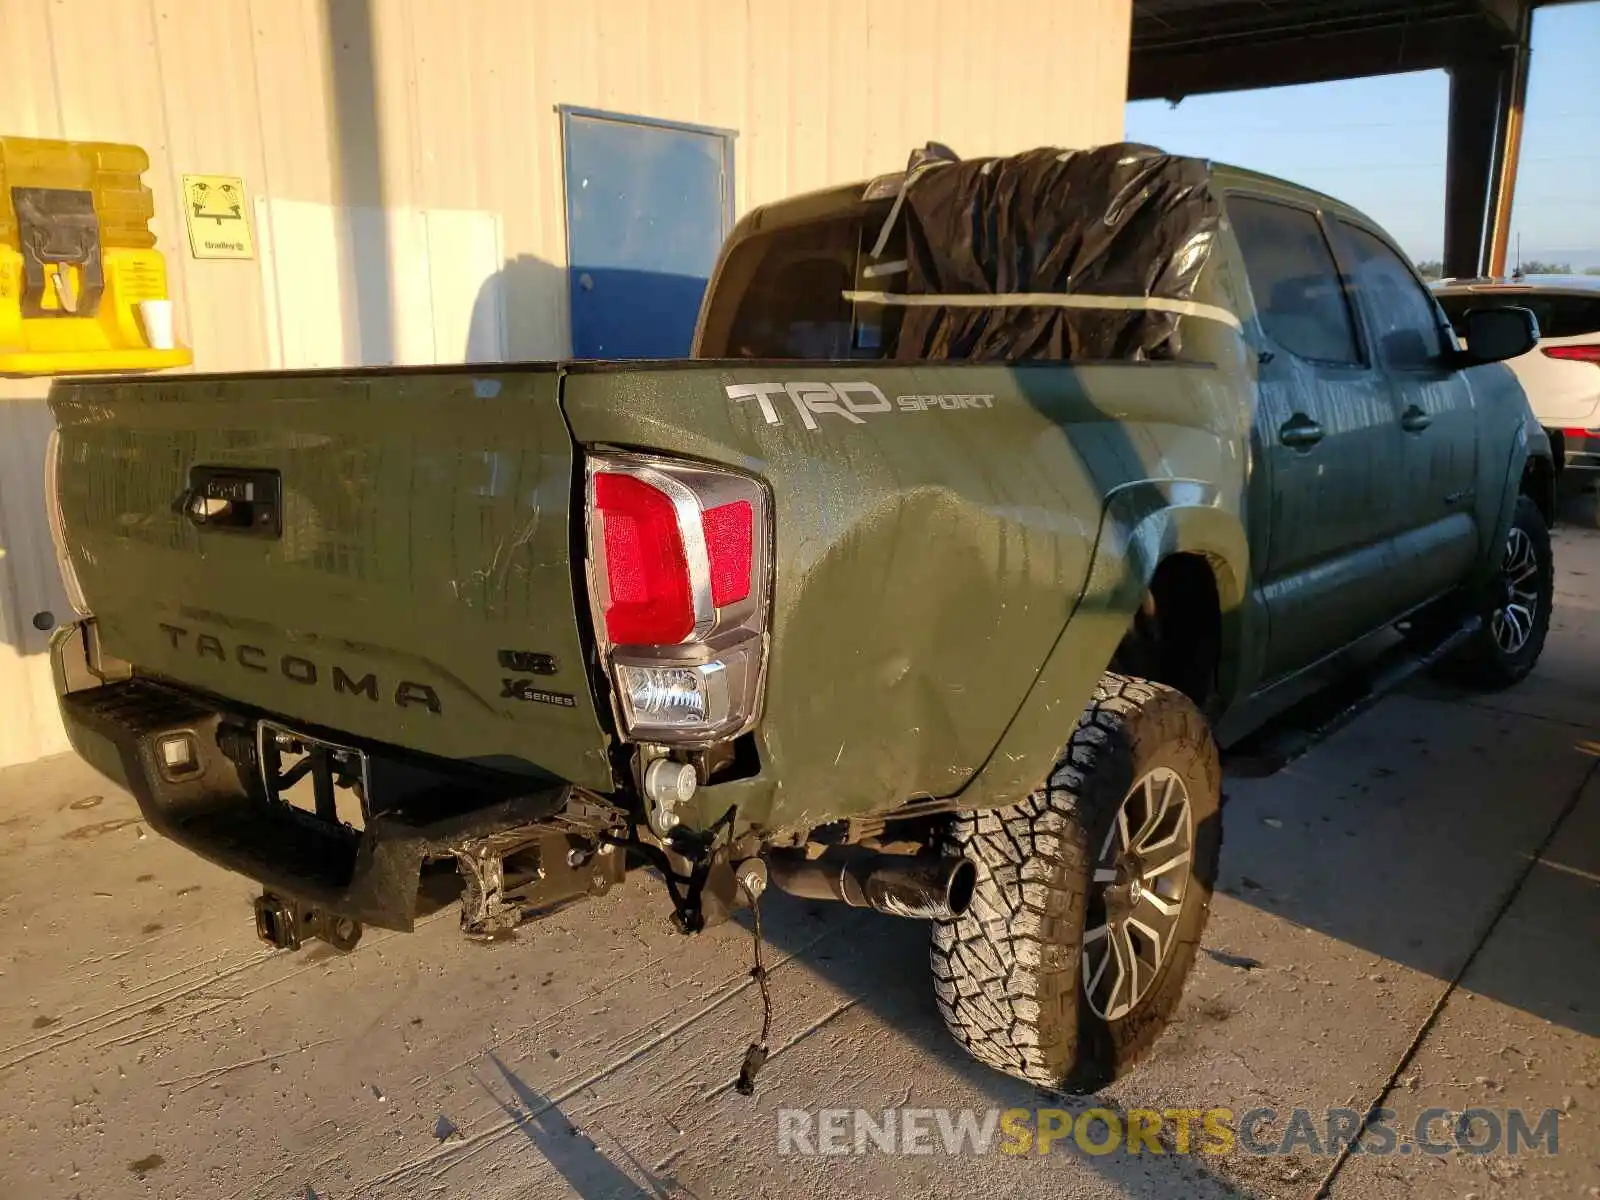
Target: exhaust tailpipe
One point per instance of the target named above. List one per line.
(923, 886)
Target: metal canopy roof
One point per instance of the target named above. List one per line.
(1188, 47)
(1164, 25)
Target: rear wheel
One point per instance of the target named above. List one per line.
(1091, 895)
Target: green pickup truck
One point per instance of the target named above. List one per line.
(996, 494)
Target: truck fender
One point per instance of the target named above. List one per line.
(1142, 524)
(1510, 490)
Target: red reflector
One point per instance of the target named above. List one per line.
(646, 573)
(1588, 354)
(1575, 433)
(730, 535)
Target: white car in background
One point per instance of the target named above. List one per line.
(1561, 375)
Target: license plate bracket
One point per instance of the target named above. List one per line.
(289, 758)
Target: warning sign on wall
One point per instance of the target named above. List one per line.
(218, 219)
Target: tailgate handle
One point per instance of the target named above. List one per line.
(238, 500)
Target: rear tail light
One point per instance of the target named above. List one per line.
(1588, 354)
(679, 569)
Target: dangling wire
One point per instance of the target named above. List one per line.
(756, 1056)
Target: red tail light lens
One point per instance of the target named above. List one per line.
(1588, 354)
(647, 575)
(730, 536)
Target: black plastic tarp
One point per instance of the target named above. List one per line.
(1122, 220)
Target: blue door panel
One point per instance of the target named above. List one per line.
(647, 209)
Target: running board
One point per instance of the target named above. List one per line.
(1298, 729)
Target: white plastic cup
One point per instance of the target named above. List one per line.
(157, 318)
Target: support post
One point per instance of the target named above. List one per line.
(1509, 147)
(1475, 89)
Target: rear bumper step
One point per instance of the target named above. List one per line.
(216, 806)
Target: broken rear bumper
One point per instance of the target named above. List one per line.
(218, 809)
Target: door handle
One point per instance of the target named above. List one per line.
(1300, 431)
(1414, 420)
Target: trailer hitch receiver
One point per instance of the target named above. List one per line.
(286, 924)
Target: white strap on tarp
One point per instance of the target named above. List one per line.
(911, 176)
(1182, 308)
(878, 270)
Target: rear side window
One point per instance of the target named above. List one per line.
(1406, 322)
(782, 295)
(1560, 316)
(1299, 299)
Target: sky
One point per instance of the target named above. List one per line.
(1379, 143)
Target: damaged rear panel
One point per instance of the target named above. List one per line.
(942, 378)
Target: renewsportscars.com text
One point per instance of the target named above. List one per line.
(1209, 1131)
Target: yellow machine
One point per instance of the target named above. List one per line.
(77, 258)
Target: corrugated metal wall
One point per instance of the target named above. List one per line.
(404, 162)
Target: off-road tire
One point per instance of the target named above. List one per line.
(1483, 663)
(1007, 971)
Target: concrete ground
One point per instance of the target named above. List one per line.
(1409, 916)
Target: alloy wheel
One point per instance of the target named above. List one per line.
(1136, 898)
(1512, 622)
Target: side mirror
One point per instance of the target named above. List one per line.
(1496, 334)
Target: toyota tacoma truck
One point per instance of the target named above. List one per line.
(995, 496)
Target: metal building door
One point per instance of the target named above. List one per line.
(648, 204)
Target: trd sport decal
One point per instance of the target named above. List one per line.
(852, 401)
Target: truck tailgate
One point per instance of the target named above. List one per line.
(415, 585)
